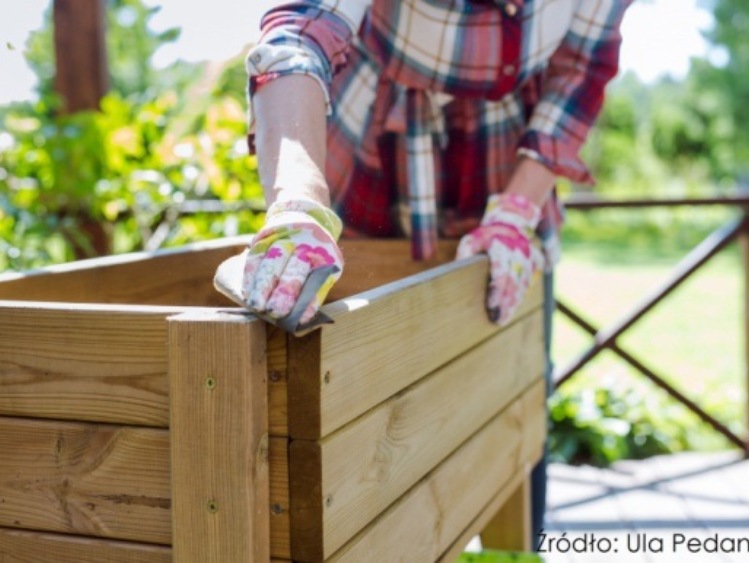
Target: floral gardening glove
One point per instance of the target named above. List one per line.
(505, 235)
(290, 265)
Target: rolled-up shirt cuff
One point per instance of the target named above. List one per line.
(266, 62)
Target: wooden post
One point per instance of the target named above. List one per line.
(80, 49)
(81, 80)
(510, 529)
(744, 243)
(219, 432)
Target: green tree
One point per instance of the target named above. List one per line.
(729, 83)
(693, 130)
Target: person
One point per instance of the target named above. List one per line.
(421, 118)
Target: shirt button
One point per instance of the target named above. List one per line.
(508, 69)
(511, 9)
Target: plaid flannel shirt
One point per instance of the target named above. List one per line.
(431, 102)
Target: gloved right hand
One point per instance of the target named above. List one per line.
(297, 243)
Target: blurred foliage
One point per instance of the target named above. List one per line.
(600, 421)
(607, 421)
(669, 139)
(729, 83)
(121, 173)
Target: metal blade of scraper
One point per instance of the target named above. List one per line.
(228, 281)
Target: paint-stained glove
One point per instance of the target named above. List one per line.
(289, 267)
(505, 235)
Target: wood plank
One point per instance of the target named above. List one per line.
(510, 528)
(219, 429)
(370, 263)
(278, 401)
(384, 340)
(495, 505)
(20, 546)
(440, 509)
(87, 479)
(169, 277)
(87, 363)
(184, 276)
(307, 501)
(369, 463)
(280, 534)
(51, 432)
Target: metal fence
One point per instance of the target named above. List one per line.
(606, 338)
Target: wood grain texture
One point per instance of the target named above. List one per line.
(370, 462)
(88, 363)
(182, 277)
(307, 501)
(20, 546)
(371, 263)
(438, 511)
(510, 528)
(280, 534)
(278, 400)
(219, 430)
(93, 480)
(384, 340)
(480, 522)
(305, 380)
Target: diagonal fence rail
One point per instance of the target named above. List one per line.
(606, 338)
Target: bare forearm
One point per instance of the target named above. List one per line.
(532, 180)
(290, 126)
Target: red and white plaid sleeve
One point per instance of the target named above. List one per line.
(573, 88)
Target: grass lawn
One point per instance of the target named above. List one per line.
(694, 338)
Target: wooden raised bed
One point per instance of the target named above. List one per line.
(143, 418)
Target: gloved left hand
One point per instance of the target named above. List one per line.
(505, 235)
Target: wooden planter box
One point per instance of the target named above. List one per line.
(142, 418)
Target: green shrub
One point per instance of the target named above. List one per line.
(113, 180)
(605, 420)
(121, 168)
